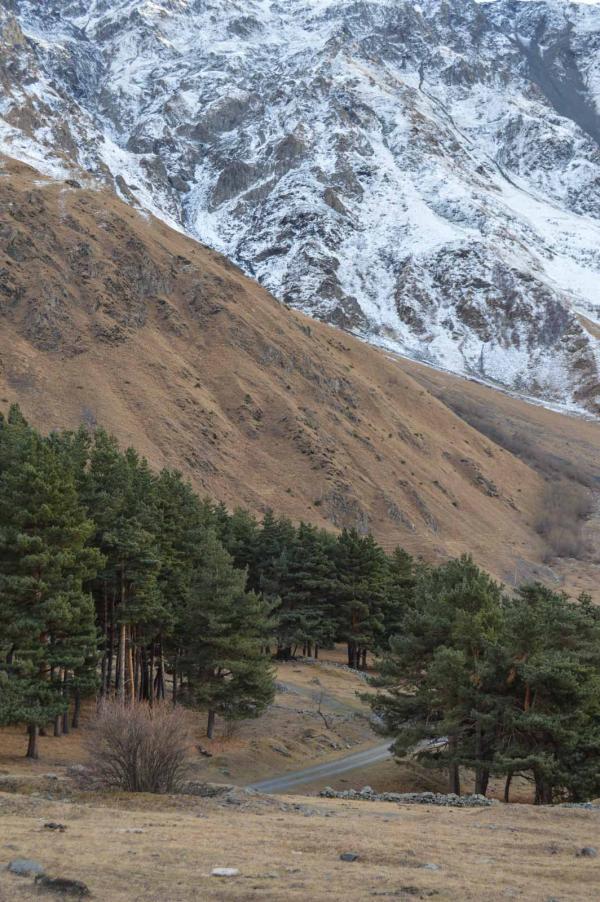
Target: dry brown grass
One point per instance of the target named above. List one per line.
(163, 849)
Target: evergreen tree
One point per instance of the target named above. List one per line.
(545, 680)
(433, 698)
(400, 580)
(225, 630)
(308, 615)
(360, 571)
(181, 530)
(120, 495)
(46, 618)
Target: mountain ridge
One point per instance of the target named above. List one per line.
(405, 171)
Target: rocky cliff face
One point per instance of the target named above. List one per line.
(424, 174)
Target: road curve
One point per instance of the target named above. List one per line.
(324, 771)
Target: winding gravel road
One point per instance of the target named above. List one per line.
(324, 771)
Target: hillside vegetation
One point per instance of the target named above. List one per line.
(110, 318)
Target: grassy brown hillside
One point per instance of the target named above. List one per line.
(109, 317)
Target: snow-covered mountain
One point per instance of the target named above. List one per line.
(424, 174)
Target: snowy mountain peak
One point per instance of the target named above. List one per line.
(425, 174)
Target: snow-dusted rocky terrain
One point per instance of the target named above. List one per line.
(425, 174)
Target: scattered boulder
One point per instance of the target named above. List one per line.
(52, 825)
(588, 852)
(225, 872)
(62, 886)
(349, 856)
(281, 750)
(26, 867)
(206, 790)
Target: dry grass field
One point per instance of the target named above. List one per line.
(163, 849)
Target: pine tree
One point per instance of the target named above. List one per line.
(181, 529)
(120, 495)
(400, 579)
(431, 674)
(360, 569)
(308, 613)
(226, 630)
(545, 679)
(45, 615)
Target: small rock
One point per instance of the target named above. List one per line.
(588, 852)
(25, 867)
(281, 750)
(349, 856)
(366, 791)
(430, 867)
(225, 872)
(131, 830)
(62, 885)
(52, 825)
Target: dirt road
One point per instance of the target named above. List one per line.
(324, 771)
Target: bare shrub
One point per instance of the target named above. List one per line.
(566, 505)
(139, 748)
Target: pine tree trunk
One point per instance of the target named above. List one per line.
(122, 643)
(316, 652)
(175, 681)
(364, 659)
(57, 725)
(130, 672)
(543, 790)
(482, 778)
(507, 788)
(76, 709)
(138, 669)
(150, 676)
(210, 727)
(454, 770)
(351, 653)
(160, 676)
(65, 717)
(32, 746)
(103, 676)
(111, 646)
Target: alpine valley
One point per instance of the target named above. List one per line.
(425, 175)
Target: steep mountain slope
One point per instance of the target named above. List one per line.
(110, 317)
(427, 175)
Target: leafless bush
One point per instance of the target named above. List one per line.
(139, 748)
(566, 505)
